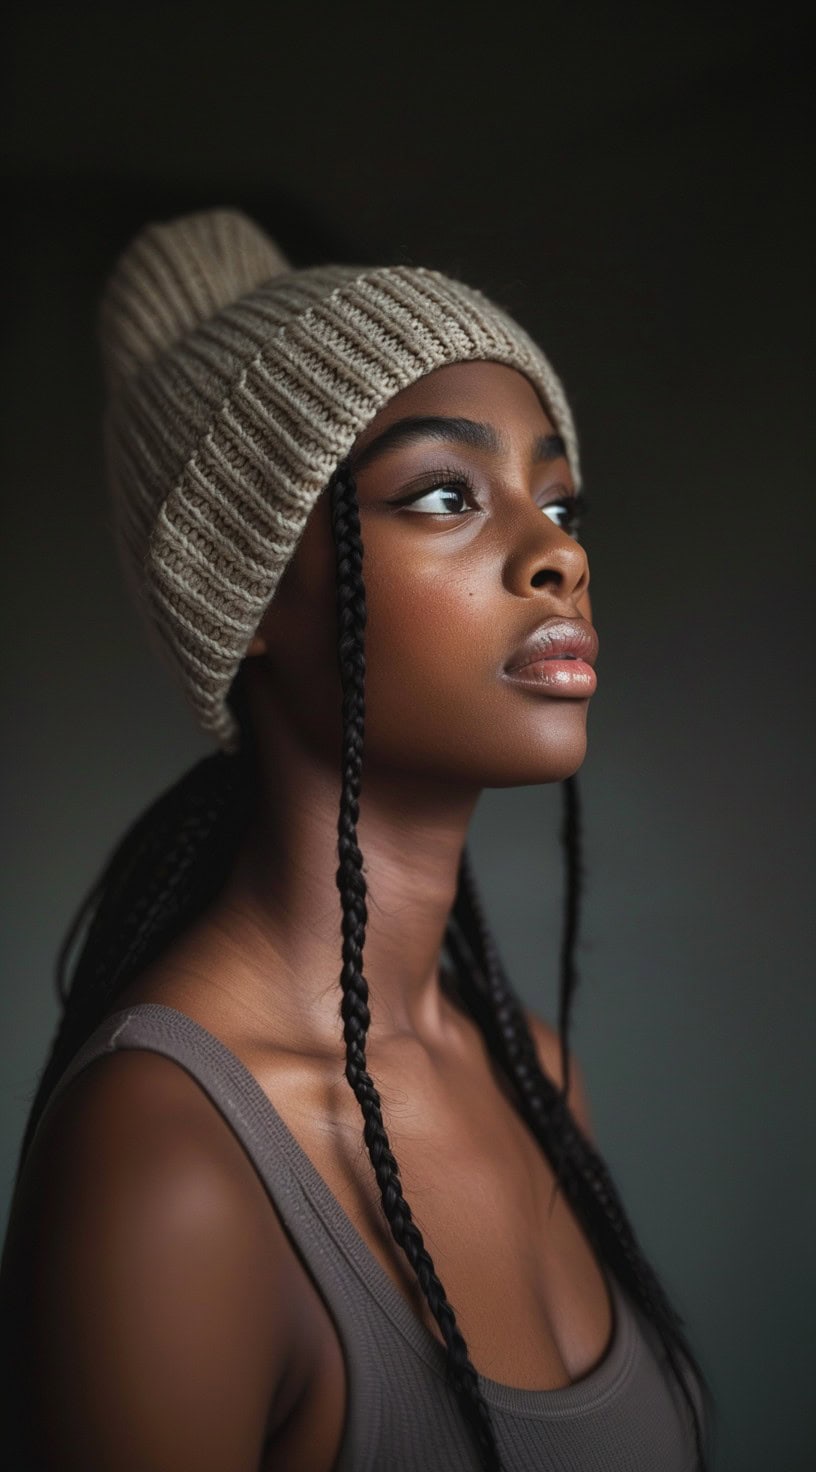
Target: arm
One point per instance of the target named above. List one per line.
(548, 1049)
(152, 1325)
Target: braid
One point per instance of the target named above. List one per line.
(571, 840)
(351, 611)
(579, 1168)
(167, 868)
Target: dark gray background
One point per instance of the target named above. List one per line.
(631, 182)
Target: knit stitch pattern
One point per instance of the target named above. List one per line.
(236, 385)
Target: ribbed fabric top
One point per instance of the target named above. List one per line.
(627, 1413)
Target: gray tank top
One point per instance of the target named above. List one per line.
(627, 1413)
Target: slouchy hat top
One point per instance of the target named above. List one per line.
(235, 386)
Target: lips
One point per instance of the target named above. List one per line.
(556, 638)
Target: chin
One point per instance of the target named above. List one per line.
(559, 749)
(552, 761)
(567, 768)
(559, 771)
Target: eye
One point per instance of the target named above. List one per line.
(567, 512)
(449, 497)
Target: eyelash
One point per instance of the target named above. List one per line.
(576, 505)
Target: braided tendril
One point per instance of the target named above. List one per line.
(578, 1168)
(351, 613)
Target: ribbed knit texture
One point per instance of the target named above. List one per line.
(235, 386)
(625, 1416)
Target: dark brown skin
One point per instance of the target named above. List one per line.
(168, 1320)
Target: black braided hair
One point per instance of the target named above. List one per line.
(175, 859)
(351, 613)
(169, 866)
(579, 1169)
(571, 840)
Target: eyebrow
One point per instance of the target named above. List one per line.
(473, 433)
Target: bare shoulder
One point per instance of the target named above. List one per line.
(548, 1048)
(146, 1288)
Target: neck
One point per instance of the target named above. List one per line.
(275, 931)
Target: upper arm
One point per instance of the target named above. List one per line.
(548, 1048)
(153, 1322)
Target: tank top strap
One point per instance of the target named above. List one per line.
(227, 1082)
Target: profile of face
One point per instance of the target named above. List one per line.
(469, 546)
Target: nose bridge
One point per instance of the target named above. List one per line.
(543, 556)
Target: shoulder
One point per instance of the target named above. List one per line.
(134, 1130)
(142, 1259)
(548, 1048)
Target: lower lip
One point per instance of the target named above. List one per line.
(568, 677)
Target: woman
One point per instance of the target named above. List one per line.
(347, 501)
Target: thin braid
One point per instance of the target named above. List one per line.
(351, 612)
(571, 841)
(579, 1168)
(168, 866)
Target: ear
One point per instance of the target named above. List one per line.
(257, 645)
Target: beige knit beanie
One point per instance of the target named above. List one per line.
(236, 385)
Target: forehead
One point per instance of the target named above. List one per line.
(492, 392)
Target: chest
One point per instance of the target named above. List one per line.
(528, 1295)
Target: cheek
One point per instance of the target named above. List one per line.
(433, 651)
(428, 627)
(437, 638)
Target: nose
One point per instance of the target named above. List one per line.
(544, 558)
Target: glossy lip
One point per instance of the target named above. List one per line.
(556, 638)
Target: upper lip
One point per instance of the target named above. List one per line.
(556, 638)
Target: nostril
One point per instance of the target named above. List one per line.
(545, 575)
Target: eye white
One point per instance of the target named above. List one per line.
(458, 495)
(556, 510)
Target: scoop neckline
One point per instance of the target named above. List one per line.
(599, 1383)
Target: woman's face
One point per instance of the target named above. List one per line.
(466, 553)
